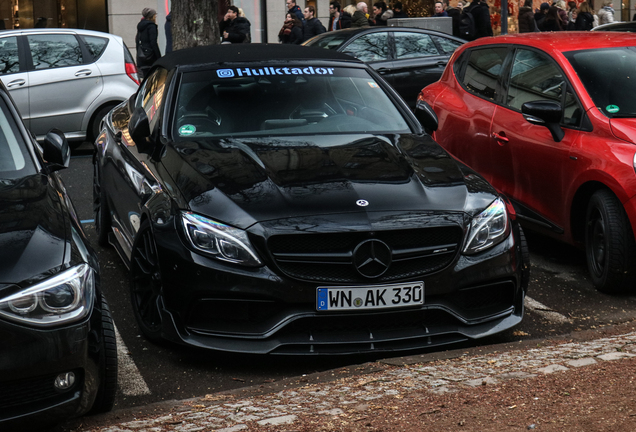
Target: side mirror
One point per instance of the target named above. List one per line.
(545, 113)
(55, 150)
(139, 129)
(426, 116)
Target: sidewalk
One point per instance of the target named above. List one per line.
(586, 382)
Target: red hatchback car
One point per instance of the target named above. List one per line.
(550, 120)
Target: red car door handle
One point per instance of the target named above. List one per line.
(501, 138)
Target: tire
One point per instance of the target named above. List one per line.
(93, 128)
(100, 211)
(610, 248)
(525, 256)
(145, 284)
(105, 398)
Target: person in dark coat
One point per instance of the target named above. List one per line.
(398, 12)
(539, 15)
(439, 9)
(585, 18)
(233, 28)
(292, 31)
(146, 41)
(168, 28)
(455, 14)
(338, 20)
(295, 9)
(359, 18)
(552, 21)
(481, 14)
(526, 18)
(313, 26)
(381, 14)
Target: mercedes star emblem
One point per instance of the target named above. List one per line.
(362, 203)
(372, 258)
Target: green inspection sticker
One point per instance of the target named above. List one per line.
(612, 109)
(187, 130)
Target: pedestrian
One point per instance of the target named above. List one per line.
(41, 23)
(571, 8)
(552, 21)
(398, 11)
(539, 15)
(527, 23)
(606, 13)
(234, 28)
(313, 26)
(338, 20)
(360, 17)
(585, 19)
(168, 28)
(146, 41)
(439, 10)
(381, 14)
(455, 14)
(292, 31)
(481, 15)
(295, 9)
(563, 15)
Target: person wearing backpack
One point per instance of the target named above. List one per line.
(474, 21)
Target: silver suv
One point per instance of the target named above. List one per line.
(66, 78)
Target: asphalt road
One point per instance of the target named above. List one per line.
(562, 300)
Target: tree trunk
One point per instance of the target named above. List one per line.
(194, 23)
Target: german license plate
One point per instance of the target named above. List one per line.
(370, 297)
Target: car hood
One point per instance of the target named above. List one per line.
(33, 229)
(624, 128)
(274, 178)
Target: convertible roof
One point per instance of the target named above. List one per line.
(248, 53)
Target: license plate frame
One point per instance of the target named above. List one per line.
(371, 297)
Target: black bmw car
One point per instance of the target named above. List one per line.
(283, 199)
(407, 58)
(58, 355)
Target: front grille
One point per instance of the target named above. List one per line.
(32, 392)
(328, 257)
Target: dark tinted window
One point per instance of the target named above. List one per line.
(609, 76)
(96, 45)
(448, 45)
(283, 100)
(483, 70)
(9, 62)
(15, 161)
(408, 45)
(54, 50)
(370, 47)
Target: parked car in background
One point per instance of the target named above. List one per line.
(66, 78)
(407, 58)
(284, 199)
(58, 355)
(550, 120)
(627, 26)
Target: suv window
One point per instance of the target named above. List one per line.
(409, 45)
(483, 70)
(95, 45)
(9, 60)
(370, 47)
(54, 50)
(534, 76)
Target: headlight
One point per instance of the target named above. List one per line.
(488, 228)
(64, 298)
(221, 241)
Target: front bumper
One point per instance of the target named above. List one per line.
(33, 359)
(212, 305)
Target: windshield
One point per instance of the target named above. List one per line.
(15, 161)
(331, 40)
(283, 100)
(609, 76)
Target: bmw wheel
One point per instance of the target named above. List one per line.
(145, 284)
(610, 248)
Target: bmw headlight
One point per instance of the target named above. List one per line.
(224, 242)
(63, 298)
(488, 228)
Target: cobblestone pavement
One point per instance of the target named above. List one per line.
(379, 384)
